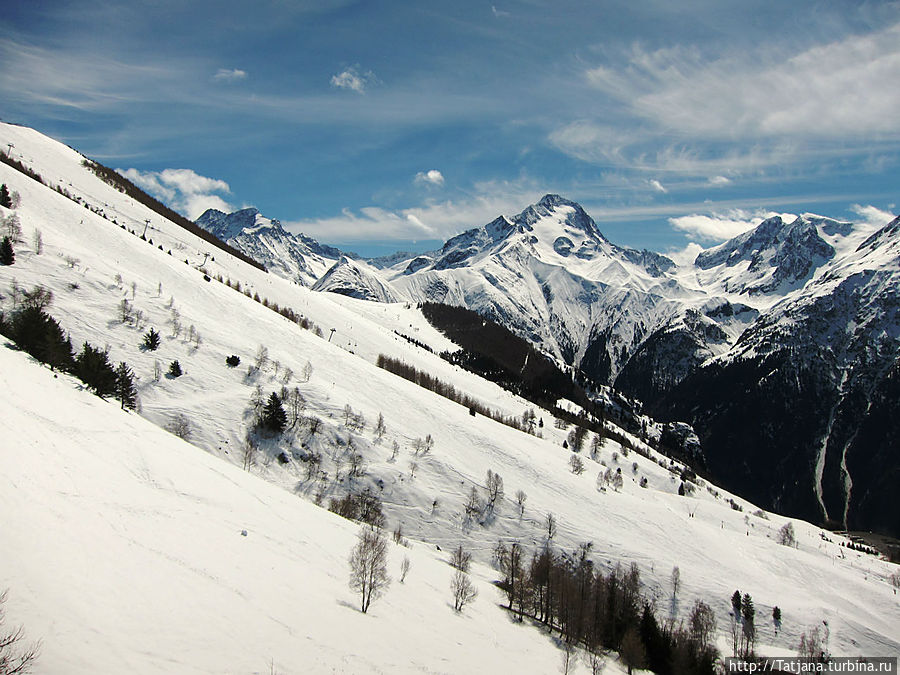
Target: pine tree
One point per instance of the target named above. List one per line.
(126, 392)
(273, 418)
(175, 369)
(94, 369)
(5, 199)
(151, 340)
(7, 255)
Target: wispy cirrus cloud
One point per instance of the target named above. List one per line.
(431, 220)
(230, 75)
(833, 89)
(871, 215)
(713, 115)
(182, 189)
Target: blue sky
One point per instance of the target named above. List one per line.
(384, 125)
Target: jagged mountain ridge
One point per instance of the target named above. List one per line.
(296, 257)
(637, 320)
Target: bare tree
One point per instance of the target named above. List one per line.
(676, 581)
(404, 568)
(520, 501)
(368, 566)
(14, 660)
(494, 484)
(702, 624)
(296, 404)
(473, 503)
(180, 425)
(576, 464)
(262, 357)
(380, 427)
(460, 559)
(550, 524)
(464, 590)
(248, 452)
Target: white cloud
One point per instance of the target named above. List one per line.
(430, 177)
(182, 189)
(833, 89)
(685, 256)
(686, 111)
(718, 227)
(230, 75)
(872, 216)
(656, 185)
(499, 13)
(432, 220)
(353, 80)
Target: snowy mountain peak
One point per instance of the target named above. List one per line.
(774, 255)
(228, 225)
(555, 206)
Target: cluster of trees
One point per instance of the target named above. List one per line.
(603, 611)
(441, 388)
(40, 335)
(499, 355)
(364, 507)
(743, 624)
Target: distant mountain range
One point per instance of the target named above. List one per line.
(779, 346)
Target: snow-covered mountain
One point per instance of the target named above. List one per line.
(817, 378)
(635, 319)
(356, 279)
(114, 528)
(295, 257)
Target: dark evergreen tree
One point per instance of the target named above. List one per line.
(92, 367)
(175, 369)
(233, 361)
(126, 392)
(151, 340)
(273, 418)
(7, 255)
(38, 333)
(5, 199)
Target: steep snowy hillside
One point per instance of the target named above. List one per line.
(128, 550)
(326, 349)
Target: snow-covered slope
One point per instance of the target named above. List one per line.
(128, 550)
(92, 264)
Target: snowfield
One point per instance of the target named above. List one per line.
(122, 544)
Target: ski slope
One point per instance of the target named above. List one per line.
(177, 508)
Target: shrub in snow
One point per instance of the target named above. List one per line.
(786, 535)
